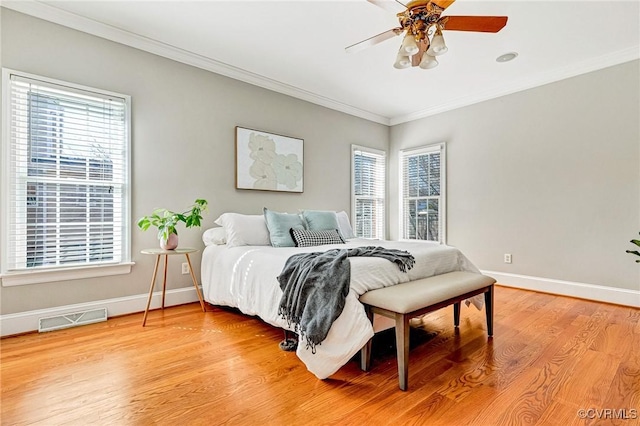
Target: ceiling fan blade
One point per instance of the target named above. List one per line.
(443, 4)
(393, 6)
(484, 24)
(373, 40)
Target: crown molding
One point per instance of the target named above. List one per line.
(71, 20)
(540, 79)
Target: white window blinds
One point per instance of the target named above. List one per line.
(423, 193)
(66, 158)
(368, 200)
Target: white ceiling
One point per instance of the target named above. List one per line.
(297, 47)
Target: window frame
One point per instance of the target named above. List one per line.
(354, 197)
(59, 273)
(442, 203)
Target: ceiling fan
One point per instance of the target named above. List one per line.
(423, 24)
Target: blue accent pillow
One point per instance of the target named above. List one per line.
(318, 220)
(279, 225)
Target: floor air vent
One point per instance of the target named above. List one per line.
(72, 320)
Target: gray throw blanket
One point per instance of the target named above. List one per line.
(315, 286)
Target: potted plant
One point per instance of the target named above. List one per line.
(167, 220)
(636, 252)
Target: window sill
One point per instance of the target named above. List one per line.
(411, 240)
(52, 275)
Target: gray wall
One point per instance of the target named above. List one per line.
(550, 175)
(183, 130)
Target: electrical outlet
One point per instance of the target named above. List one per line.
(185, 268)
(507, 258)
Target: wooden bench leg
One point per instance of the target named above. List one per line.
(365, 352)
(402, 345)
(488, 303)
(456, 314)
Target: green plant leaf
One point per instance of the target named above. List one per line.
(166, 220)
(636, 252)
(636, 242)
(144, 223)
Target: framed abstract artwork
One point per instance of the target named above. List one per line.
(268, 162)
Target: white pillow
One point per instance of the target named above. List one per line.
(244, 230)
(345, 225)
(216, 236)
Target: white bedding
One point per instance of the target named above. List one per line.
(245, 277)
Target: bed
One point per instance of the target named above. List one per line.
(240, 268)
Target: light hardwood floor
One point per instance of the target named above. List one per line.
(550, 357)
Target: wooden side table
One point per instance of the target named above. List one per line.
(166, 253)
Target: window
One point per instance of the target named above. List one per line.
(368, 197)
(422, 209)
(65, 186)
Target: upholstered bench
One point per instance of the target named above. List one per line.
(411, 299)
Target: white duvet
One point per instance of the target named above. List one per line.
(245, 277)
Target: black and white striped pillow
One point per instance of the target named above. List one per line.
(308, 238)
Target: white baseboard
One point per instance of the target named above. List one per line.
(23, 322)
(618, 296)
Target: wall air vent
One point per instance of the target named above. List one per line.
(72, 319)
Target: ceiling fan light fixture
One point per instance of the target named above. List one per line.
(409, 46)
(421, 24)
(402, 61)
(437, 47)
(428, 62)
